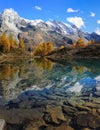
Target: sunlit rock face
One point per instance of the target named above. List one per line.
(8, 22)
(37, 31)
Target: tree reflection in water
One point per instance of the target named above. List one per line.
(44, 63)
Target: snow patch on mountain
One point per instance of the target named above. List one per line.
(55, 31)
(62, 27)
(9, 19)
(12, 20)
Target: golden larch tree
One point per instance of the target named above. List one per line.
(50, 47)
(43, 49)
(91, 42)
(13, 42)
(4, 43)
(21, 44)
(80, 43)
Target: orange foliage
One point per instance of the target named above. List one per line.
(4, 43)
(91, 42)
(43, 49)
(80, 43)
(21, 44)
(13, 42)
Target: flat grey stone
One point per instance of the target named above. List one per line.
(2, 124)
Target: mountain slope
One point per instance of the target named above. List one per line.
(37, 31)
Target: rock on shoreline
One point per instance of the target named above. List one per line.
(2, 124)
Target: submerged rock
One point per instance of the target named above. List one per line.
(88, 120)
(35, 124)
(86, 129)
(2, 124)
(63, 127)
(53, 114)
(69, 110)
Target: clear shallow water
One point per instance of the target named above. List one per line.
(27, 87)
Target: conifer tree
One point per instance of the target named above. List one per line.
(21, 44)
(11, 40)
(49, 47)
(43, 49)
(4, 43)
(91, 42)
(80, 43)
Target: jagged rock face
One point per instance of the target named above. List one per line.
(8, 21)
(37, 31)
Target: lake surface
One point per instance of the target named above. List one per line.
(41, 94)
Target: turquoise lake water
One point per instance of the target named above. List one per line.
(77, 77)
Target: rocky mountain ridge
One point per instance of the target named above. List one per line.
(37, 31)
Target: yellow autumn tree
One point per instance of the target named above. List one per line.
(80, 43)
(61, 47)
(91, 42)
(43, 49)
(49, 47)
(21, 44)
(40, 50)
(4, 43)
(13, 42)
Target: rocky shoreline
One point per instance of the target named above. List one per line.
(56, 112)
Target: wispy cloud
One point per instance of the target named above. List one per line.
(97, 30)
(92, 14)
(98, 22)
(38, 7)
(70, 10)
(78, 21)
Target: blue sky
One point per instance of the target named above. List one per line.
(83, 13)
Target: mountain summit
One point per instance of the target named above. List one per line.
(8, 21)
(37, 31)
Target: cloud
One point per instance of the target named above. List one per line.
(97, 30)
(38, 7)
(70, 10)
(98, 21)
(92, 14)
(78, 21)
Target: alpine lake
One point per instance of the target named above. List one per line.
(41, 94)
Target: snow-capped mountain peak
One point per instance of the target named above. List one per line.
(10, 11)
(37, 31)
(8, 20)
(10, 15)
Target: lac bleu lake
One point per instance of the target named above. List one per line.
(41, 94)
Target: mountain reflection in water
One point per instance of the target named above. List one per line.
(50, 94)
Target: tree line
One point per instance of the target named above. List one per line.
(9, 43)
(43, 49)
(80, 43)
